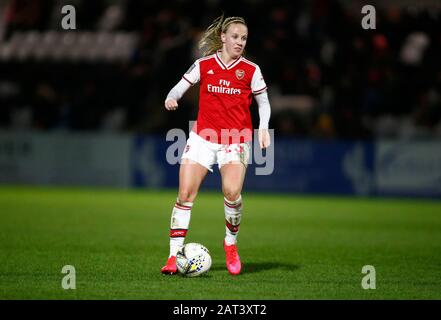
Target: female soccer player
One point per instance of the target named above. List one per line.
(222, 132)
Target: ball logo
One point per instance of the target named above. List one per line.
(240, 74)
(193, 260)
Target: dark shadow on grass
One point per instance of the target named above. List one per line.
(254, 267)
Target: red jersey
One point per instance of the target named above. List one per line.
(225, 97)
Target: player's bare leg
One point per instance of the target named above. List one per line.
(233, 175)
(191, 175)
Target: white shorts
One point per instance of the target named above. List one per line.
(208, 153)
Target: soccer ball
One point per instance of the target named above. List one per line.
(193, 259)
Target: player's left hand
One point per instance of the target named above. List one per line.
(264, 138)
(171, 104)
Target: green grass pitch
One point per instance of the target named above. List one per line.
(292, 247)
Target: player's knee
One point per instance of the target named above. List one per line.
(187, 195)
(231, 194)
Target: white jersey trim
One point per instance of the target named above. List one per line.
(193, 74)
(250, 62)
(222, 65)
(258, 84)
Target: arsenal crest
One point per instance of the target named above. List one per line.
(240, 74)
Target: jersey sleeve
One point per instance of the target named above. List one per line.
(178, 90)
(258, 84)
(264, 109)
(193, 74)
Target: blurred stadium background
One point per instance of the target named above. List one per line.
(356, 113)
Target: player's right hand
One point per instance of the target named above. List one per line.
(171, 104)
(264, 138)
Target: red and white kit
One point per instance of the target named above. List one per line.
(223, 128)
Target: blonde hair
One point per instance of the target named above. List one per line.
(211, 40)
